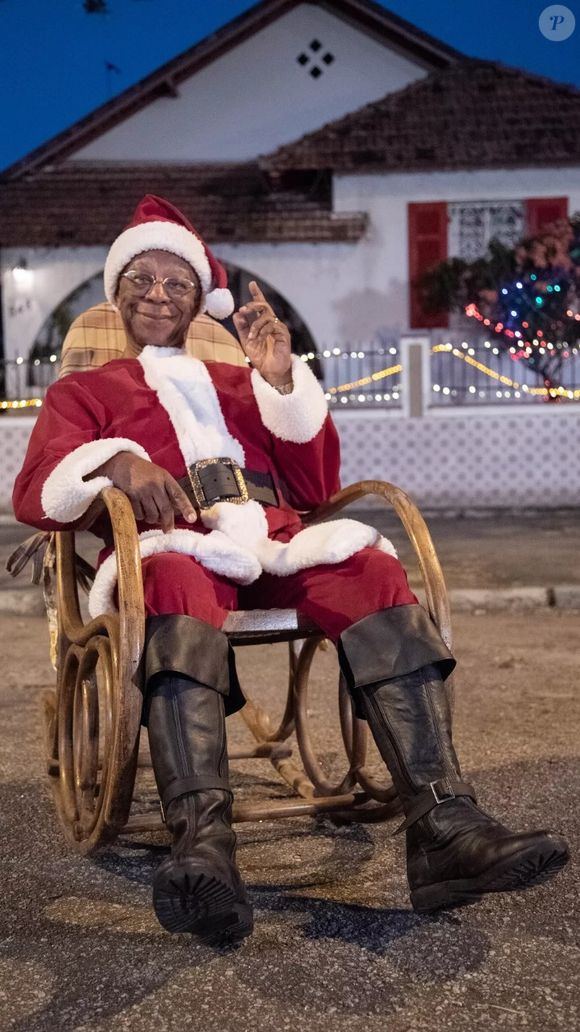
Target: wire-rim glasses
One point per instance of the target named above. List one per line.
(176, 287)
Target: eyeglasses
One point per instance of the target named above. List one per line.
(175, 287)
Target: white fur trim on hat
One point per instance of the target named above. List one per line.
(65, 495)
(155, 236)
(219, 303)
(295, 417)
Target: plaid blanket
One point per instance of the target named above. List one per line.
(98, 336)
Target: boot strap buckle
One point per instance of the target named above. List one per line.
(441, 790)
(432, 795)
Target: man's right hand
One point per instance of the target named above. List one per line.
(154, 494)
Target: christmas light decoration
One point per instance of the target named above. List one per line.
(527, 297)
(465, 353)
(23, 403)
(543, 392)
(365, 380)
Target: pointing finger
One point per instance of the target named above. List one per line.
(255, 291)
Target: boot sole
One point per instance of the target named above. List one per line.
(196, 901)
(531, 867)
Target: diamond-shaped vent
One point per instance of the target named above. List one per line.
(315, 65)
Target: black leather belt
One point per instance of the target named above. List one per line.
(222, 480)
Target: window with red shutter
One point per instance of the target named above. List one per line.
(428, 241)
(541, 211)
(427, 247)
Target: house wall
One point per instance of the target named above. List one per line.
(256, 97)
(51, 274)
(345, 293)
(460, 460)
(383, 261)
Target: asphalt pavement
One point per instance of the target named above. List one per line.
(336, 943)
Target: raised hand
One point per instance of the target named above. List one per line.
(265, 340)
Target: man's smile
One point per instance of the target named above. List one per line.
(156, 316)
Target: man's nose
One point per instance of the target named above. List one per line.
(157, 291)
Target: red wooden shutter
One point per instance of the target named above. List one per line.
(427, 247)
(540, 211)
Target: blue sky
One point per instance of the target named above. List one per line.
(53, 70)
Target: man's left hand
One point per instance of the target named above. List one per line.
(265, 340)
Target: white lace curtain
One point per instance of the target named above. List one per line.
(473, 224)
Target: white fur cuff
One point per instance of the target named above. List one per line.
(65, 495)
(295, 417)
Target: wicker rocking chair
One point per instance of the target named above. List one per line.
(92, 718)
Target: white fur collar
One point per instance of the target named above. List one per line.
(186, 392)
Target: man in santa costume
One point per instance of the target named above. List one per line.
(225, 533)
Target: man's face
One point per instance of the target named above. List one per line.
(155, 317)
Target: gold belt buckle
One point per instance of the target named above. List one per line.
(197, 486)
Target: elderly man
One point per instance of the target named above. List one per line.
(217, 461)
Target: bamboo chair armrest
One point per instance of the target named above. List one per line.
(131, 614)
(417, 532)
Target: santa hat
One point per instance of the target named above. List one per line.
(158, 226)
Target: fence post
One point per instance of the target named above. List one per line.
(415, 349)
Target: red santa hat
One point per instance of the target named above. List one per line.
(158, 226)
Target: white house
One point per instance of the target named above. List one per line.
(194, 130)
(362, 152)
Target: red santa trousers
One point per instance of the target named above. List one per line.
(333, 596)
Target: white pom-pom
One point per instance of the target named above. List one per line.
(219, 303)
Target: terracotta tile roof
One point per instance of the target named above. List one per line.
(365, 15)
(89, 203)
(474, 114)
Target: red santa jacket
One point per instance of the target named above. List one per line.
(174, 410)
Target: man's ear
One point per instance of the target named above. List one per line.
(197, 310)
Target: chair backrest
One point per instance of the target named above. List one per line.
(98, 336)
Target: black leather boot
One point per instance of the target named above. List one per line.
(199, 888)
(455, 851)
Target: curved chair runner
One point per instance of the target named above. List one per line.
(92, 719)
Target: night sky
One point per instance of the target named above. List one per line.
(55, 56)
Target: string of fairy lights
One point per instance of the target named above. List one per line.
(518, 388)
(467, 355)
(464, 353)
(23, 403)
(522, 347)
